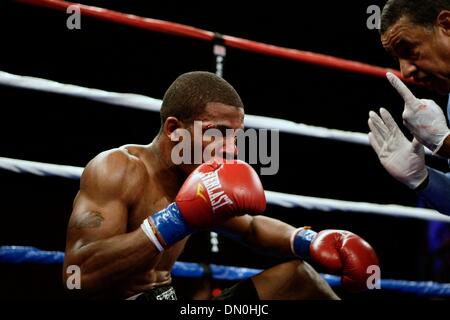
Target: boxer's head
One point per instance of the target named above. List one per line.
(194, 104)
(417, 32)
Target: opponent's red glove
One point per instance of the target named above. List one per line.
(213, 193)
(339, 252)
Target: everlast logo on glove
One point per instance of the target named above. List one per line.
(215, 192)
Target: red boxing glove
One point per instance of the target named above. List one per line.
(217, 191)
(213, 193)
(339, 252)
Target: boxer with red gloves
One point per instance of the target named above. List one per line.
(137, 207)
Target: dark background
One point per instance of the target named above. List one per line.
(63, 130)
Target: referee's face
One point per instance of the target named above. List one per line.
(423, 53)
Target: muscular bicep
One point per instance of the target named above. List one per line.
(91, 221)
(108, 186)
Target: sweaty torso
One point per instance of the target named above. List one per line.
(155, 196)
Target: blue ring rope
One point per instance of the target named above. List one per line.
(21, 255)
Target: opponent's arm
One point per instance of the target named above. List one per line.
(97, 237)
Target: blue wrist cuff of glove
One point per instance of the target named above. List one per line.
(301, 242)
(167, 226)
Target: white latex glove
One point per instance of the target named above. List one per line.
(404, 160)
(424, 118)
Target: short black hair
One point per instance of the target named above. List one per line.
(420, 12)
(188, 95)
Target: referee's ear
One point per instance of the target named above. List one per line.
(443, 22)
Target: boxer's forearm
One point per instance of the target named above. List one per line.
(104, 263)
(270, 235)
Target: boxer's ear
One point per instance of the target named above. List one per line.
(171, 128)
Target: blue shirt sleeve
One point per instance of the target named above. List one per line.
(437, 192)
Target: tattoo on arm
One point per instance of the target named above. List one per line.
(88, 220)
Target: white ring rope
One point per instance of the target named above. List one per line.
(146, 103)
(129, 100)
(275, 198)
(40, 169)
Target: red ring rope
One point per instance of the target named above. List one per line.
(233, 42)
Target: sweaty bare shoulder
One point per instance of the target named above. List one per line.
(110, 184)
(114, 174)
